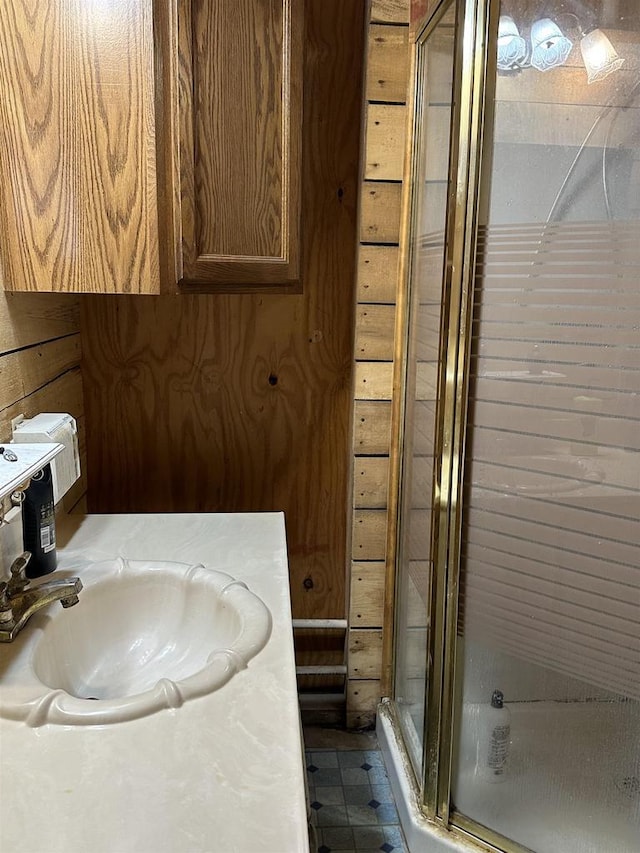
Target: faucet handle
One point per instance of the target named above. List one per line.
(6, 612)
(19, 580)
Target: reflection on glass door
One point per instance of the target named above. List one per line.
(550, 571)
(434, 109)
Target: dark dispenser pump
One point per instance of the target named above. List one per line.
(39, 524)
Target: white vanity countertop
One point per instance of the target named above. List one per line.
(222, 773)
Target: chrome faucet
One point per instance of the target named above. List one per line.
(19, 600)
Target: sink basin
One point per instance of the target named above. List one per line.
(143, 637)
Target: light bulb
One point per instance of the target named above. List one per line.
(599, 56)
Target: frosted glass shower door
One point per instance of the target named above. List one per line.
(550, 572)
(426, 283)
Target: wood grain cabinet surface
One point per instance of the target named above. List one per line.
(240, 108)
(78, 194)
(146, 144)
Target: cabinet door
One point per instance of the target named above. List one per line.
(240, 146)
(78, 203)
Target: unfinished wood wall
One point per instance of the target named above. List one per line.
(40, 366)
(387, 77)
(242, 402)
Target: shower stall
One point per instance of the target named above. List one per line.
(514, 717)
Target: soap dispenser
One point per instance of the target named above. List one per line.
(39, 524)
(494, 738)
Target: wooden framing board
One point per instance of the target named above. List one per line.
(390, 11)
(380, 212)
(377, 274)
(26, 370)
(377, 286)
(372, 427)
(363, 696)
(369, 535)
(32, 318)
(367, 594)
(375, 325)
(387, 64)
(385, 141)
(370, 482)
(373, 380)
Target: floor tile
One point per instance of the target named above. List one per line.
(393, 834)
(351, 803)
(354, 776)
(362, 816)
(374, 757)
(368, 836)
(357, 795)
(338, 837)
(387, 813)
(382, 793)
(351, 758)
(325, 777)
(330, 796)
(323, 758)
(333, 816)
(377, 776)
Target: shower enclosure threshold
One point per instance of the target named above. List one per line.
(544, 736)
(422, 835)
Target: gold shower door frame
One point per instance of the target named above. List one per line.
(474, 74)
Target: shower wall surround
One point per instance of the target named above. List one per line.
(519, 531)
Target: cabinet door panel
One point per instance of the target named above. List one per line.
(241, 118)
(78, 204)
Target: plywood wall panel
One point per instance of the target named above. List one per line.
(242, 402)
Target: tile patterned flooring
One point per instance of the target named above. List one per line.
(351, 804)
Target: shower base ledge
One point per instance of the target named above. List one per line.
(422, 835)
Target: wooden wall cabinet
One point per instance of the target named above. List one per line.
(240, 120)
(78, 195)
(150, 143)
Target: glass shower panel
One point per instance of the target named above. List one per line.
(435, 73)
(550, 606)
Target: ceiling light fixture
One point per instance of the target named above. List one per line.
(549, 46)
(598, 55)
(512, 48)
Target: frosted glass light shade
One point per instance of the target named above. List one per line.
(549, 47)
(599, 56)
(512, 48)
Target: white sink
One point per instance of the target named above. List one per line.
(143, 637)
